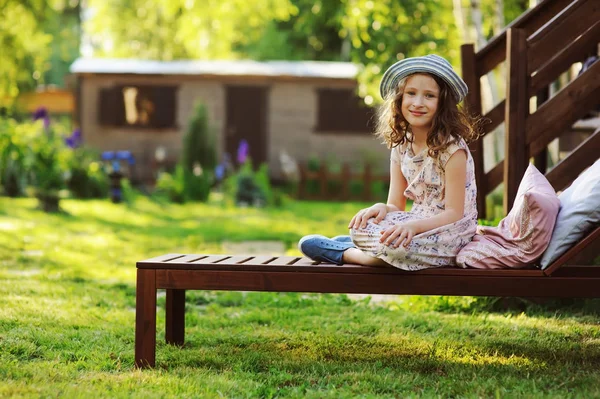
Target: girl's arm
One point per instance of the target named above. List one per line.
(396, 200)
(456, 179)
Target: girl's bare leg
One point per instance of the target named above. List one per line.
(358, 257)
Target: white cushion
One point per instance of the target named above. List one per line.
(578, 215)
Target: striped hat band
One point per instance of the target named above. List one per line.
(433, 64)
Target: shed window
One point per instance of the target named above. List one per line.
(139, 106)
(341, 110)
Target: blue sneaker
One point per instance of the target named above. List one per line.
(323, 249)
(345, 238)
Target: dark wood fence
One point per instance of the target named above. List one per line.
(536, 48)
(325, 185)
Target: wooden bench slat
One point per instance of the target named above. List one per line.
(297, 264)
(284, 260)
(306, 262)
(210, 259)
(574, 250)
(162, 258)
(186, 258)
(260, 260)
(236, 260)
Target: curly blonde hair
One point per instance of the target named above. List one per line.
(450, 123)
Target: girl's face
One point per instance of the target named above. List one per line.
(420, 102)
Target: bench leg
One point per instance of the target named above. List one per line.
(145, 318)
(175, 317)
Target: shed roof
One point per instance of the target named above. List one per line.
(300, 69)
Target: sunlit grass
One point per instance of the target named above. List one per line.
(67, 311)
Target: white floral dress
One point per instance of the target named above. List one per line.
(426, 187)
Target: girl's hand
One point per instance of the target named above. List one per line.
(401, 233)
(377, 211)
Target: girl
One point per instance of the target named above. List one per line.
(430, 164)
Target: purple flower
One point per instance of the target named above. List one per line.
(40, 113)
(74, 140)
(220, 172)
(242, 153)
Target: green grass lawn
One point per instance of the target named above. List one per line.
(67, 297)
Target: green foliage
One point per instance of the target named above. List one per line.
(48, 168)
(39, 40)
(86, 179)
(32, 154)
(199, 142)
(208, 29)
(250, 188)
(197, 185)
(199, 156)
(14, 158)
(172, 186)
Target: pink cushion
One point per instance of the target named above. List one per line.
(523, 235)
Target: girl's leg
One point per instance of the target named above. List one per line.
(356, 256)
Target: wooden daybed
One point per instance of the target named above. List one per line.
(178, 272)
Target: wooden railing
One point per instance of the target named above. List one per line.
(341, 181)
(537, 47)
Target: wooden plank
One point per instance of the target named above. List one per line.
(517, 110)
(495, 116)
(579, 271)
(576, 51)
(161, 258)
(495, 176)
(494, 52)
(306, 262)
(404, 284)
(239, 259)
(175, 317)
(473, 106)
(580, 246)
(145, 318)
(284, 261)
(261, 263)
(560, 32)
(260, 260)
(186, 258)
(576, 162)
(540, 159)
(567, 106)
(211, 259)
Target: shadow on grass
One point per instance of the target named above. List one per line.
(417, 354)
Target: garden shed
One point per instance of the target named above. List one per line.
(306, 109)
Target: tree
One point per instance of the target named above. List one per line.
(179, 29)
(39, 39)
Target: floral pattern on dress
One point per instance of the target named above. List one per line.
(426, 188)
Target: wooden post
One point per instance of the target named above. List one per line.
(540, 160)
(345, 177)
(368, 182)
(323, 180)
(145, 318)
(302, 183)
(473, 106)
(175, 317)
(516, 112)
